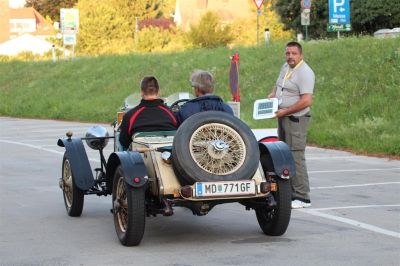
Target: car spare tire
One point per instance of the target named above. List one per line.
(214, 146)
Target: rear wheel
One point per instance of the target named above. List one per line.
(129, 210)
(275, 221)
(73, 196)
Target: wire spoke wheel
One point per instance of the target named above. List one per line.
(217, 149)
(73, 196)
(129, 210)
(121, 205)
(67, 183)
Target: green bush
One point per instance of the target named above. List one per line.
(209, 32)
(155, 39)
(5, 58)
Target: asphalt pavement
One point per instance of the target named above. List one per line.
(354, 218)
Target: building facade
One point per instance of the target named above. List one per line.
(189, 12)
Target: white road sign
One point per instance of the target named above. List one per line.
(258, 3)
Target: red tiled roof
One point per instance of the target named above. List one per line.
(22, 13)
(164, 23)
(42, 26)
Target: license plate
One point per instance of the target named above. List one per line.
(225, 188)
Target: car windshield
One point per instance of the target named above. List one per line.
(178, 96)
(134, 99)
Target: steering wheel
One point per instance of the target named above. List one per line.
(176, 106)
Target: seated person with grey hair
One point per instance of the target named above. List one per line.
(203, 86)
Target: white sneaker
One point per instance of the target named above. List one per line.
(298, 204)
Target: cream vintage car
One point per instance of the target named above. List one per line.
(212, 158)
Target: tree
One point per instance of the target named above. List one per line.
(244, 29)
(155, 39)
(110, 26)
(50, 8)
(103, 29)
(365, 16)
(209, 32)
(369, 16)
(290, 13)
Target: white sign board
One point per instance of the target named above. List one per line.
(305, 17)
(69, 39)
(265, 108)
(69, 20)
(258, 3)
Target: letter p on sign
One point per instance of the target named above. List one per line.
(336, 4)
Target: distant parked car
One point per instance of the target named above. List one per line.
(387, 33)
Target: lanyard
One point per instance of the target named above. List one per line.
(289, 73)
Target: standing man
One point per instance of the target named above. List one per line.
(294, 89)
(203, 86)
(150, 115)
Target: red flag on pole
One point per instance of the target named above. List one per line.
(234, 77)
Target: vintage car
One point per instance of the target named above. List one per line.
(212, 158)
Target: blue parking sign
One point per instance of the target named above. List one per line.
(339, 11)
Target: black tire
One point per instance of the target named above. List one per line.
(128, 210)
(214, 146)
(275, 222)
(73, 196)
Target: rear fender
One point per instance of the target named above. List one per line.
(80, 167)
(276, 157)
(132, 166)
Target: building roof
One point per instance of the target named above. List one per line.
(22, 13)
(43, 27)
(164, 23)
(25, 43)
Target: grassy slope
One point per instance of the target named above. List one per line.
(355, 103)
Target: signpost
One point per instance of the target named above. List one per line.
(259, 4)
(339, 12)
(69, 26)
(339, 16)
(69, 39)
(69, 20)
(338, 27)
(305, 15)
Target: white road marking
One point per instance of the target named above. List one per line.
(352, 207)
(41, 138)
(355, 223)
(40, 148)
(332, 157)
(354, 170)
(49, 145)
(31, 146)
(357, 185)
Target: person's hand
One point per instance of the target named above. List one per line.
(271, 95)
(280, 113)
